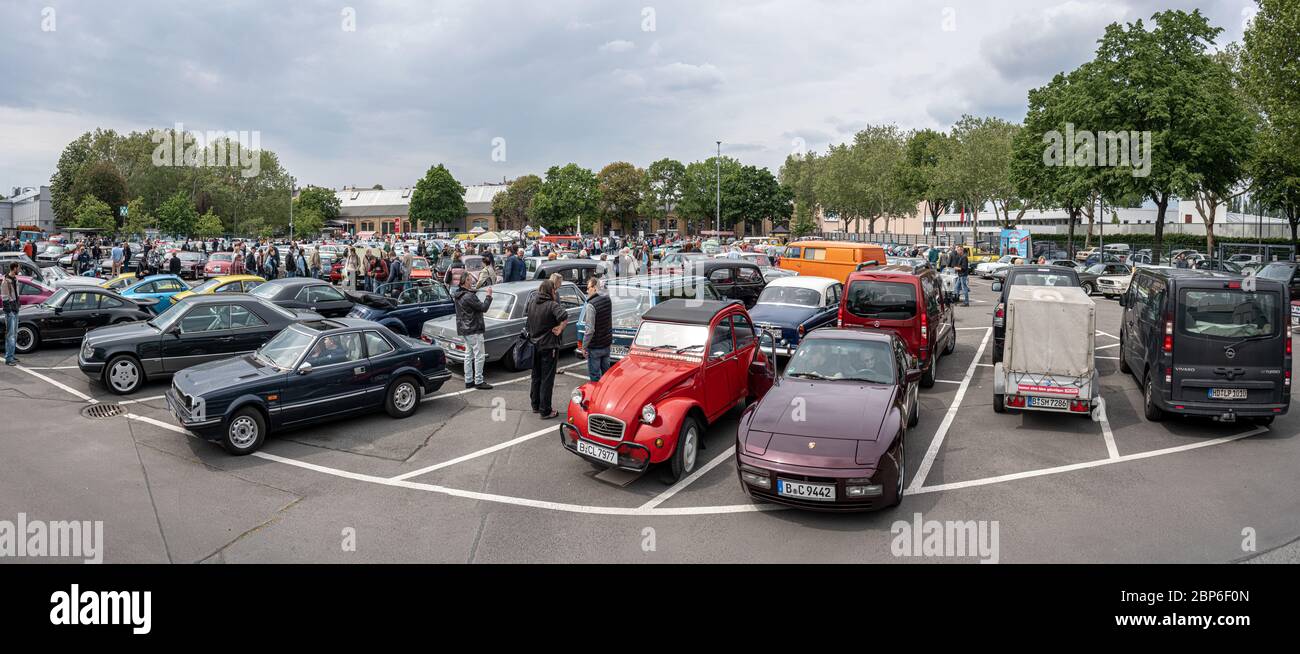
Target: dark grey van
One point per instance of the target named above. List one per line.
(1203, 343)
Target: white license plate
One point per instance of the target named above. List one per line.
(1227, 393)
(806, 491)
(595, 451)
(1049, 403)
(617, 351)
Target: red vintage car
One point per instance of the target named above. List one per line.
(691, 362)
(219, 264)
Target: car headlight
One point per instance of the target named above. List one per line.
(648, 413)
(87, 351)
(578, 397)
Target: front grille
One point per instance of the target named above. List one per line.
(606, 427)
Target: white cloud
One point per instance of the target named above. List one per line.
(618, 46)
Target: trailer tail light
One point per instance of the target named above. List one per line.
(1016, 401)
(999, 315)
(1169, 334)
(1080, 406)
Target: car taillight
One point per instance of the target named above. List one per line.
(1286, 379)
(1169, 334)
(1000, 312)
(925, 327)
(1288, 339)
(1169, 375)
(426, 339)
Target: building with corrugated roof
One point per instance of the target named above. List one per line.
(388, 211)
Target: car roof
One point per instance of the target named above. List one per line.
(1044, 268)
(154, 278)
(659, 281)
(694, 312)
(294, 281)
(855, 333)
(224, 279)
(519, 288)
(800, 281)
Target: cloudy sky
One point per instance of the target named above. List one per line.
(418, 82)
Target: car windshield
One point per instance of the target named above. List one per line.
(1229, 313)
(223, 256)
(630, 301)
(54, 273)
(838, 359)
(167, 318)
(56, 299)
(802, 297)
(286, 348)
(883, 300)
(1277, 271)
(670, 336)
(1097, 269)
(266, 291)
(206, 286)
(502, 305)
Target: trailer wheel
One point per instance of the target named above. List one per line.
(999, 403)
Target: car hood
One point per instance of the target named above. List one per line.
(799, 409)
(133, 331)
(636, 381)
(781, 314)
(223, 375)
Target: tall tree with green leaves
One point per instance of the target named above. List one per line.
(325, 201)
(1218, 173)
(569, 192)
(438, 199)
(700, 186)
(177, 216)
(977, 168)
(761, 198)
(798, 175)
(919, 173)
(1270, 66)
(663, 188)
(513, 207)
(138, 219)
(209, 225)
(1041, 181)
(93, 213)
(620, 185)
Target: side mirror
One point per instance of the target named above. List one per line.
(304, 368)
(58, 310)
(997, 287)
(913, 375)
(1123, 300)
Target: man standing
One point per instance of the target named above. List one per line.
(546, 322)
(11, 303)
(962, 265)
(117, 260)
(469, 325)
(599, 333)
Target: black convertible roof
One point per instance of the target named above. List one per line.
(690, 312)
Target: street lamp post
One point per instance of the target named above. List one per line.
(292, 181)
(717, 220)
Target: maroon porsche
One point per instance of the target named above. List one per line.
(829, 434)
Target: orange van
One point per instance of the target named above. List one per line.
(834, 259)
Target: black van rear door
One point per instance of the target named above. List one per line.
(1229, 344)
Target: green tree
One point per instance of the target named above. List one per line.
(93, 213)
(1269, 72)
(699, 193)
(663, 188)
(438, 199)
(308, 223)
(209, 226)
(513, 207)
(569, 192)
(977, 169)
(177, 216)
(138, 219)
(798, 175)
(1047, 184)
(1215, 177)
(919, 172)
(761, 198)
(619, 187)
(325, 201)
(863, 180)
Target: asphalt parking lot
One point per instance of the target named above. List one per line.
(475, 477)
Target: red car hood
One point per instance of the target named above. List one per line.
(850, 411)
(636, 381)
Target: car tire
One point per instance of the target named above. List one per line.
(26, 339)
(927, 376)
(123, 375)
(915, 416)
(1123, 362)
(999, 403)
(952, 341)
(403, 398)
(245, 432)
(508, 361)
(1152, 412)
(1089, 288)
(902, 472)
(687, 450)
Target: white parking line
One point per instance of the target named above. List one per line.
(58, 384)
(52, 368)
(946, 381)
(932, 453)
(474, 455)
(1101, 333)
(1106, 347)
(143, 399)
(1083, 466)
(578, 376)
(664, 496)
(508, 381)
(1107, 358)
(1106, 433)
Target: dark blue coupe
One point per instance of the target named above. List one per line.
(310, 372)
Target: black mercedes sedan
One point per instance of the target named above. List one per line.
(198, 329)
(312, 371)
(69, 313)
(315, 295)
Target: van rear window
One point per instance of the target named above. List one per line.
(1229, 313)
(881, 300)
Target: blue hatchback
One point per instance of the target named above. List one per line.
(790, 307)
(160, 287)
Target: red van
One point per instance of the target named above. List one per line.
(908, 301)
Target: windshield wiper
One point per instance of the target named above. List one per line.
(688, 348)
(808, 375)
(663, 347)
(1247, 340)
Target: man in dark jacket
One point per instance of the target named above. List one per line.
(599, 332)
(469, 325)
(961, 263)
(174, 264)
(546, 322)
